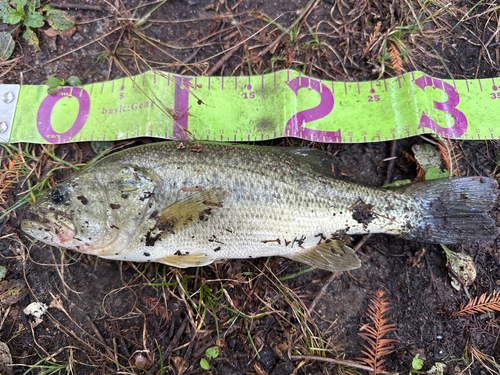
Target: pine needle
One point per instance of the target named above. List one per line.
(483, 304)
(377, 345)
(483, 359)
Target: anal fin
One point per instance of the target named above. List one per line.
(185, 261)
(330, 256)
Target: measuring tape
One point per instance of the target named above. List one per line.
(254, 108)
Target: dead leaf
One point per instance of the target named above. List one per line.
(11, 291)
(57, 303)
(64, 34)
(179, 364)
(196, 148)
(51, 33)
(417, 258)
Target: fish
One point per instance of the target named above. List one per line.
(188, 204)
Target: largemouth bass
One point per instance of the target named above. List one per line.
(190, 204)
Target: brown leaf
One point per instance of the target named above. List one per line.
(11, 291)
(179, 364)
(196, 148)
(51, 33)
(65, 34)
(254, 57)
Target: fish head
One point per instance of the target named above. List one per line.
(94, 212)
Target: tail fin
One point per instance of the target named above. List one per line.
(456, 210)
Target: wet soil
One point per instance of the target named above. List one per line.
(108, 317)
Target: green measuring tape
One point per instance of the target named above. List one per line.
(254, 108)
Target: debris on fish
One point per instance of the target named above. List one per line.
(189, 204)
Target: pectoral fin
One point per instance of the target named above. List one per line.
(184, 261)
(330, 256)
(192, 209)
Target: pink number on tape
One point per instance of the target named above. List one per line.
(460, 120)
(181, 106)
(45, 111)
(296, 124)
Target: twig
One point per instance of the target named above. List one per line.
(235, 6)
(323, 291)
(171, 346)
(85, 45)
(221, 62)
(188, 59)
(99, 336)
(5, 317)
(338, 362)
(278, 39)
(76, 6)
(334, 274)
(390, 167)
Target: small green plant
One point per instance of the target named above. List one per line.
(212, 352)
(55, 83)
(416, 364)
(30, 14)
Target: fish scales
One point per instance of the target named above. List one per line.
(268, 198)
(190, 204)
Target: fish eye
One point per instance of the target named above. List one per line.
(58, 194)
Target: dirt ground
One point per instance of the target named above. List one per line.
(109, 317)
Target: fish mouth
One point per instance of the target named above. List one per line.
(54, 228)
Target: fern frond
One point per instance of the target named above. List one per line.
(10, 175)
(373, 38)
(377, 346)
(396, 60)
(483, 304)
